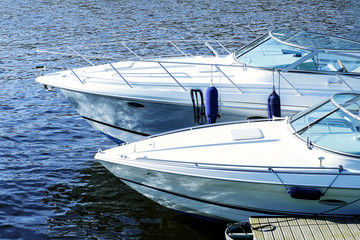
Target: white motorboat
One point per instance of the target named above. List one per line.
(304, 165)
(130, 99)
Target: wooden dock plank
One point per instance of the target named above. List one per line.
(261, 227)
(255, 223)
(324, 227)
(276, 233)
(295, 228)
(305, 228)
(357, 222)
(268, 235)
(315, 229)
(334, 228)
(354, 227)
(286, 232)
(343, 227)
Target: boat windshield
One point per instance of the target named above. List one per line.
(290, 49)
(310, 40)
(331, 62)
(334, 125)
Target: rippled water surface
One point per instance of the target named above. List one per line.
(50, 185)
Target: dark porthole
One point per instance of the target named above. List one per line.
(255, 118)
(136, 105)
(332, 202)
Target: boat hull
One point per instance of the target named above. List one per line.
(128, 119)
(131, 98)
(235, 198)
(128, 114)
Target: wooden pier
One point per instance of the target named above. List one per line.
(294, 228)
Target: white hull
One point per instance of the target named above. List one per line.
(134, 98)
(233, 171)
(246, 193)
(105, 105)
(112, 114)
(115, 118)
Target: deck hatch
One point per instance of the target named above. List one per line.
(246, 134)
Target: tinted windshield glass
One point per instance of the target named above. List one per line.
(332, 63)
(338, 132)
(334, 125)
(315, 40)
(311, 116)
(270, 53)
(282, 48)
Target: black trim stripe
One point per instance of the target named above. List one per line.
(241, 208)
(116, 127)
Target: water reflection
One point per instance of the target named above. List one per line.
(97, 204)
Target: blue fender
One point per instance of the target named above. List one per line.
(211, 105)
(274, 107)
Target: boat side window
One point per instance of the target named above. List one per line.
(271, 54)
(331, 63)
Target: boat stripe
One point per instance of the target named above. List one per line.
(241, 208)
(116, 127)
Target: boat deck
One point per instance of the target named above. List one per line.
(305, 228)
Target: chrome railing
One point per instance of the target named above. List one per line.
(124, 46)
(220, 50)
(136, 57)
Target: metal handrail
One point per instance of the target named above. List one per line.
(172, 43)
(122, 43)
(233, 167)
(82, 81)
(216, 54)
(218, 68)
(227, 50)
(289, 82)
(81, 56)
(119, 74)
(172, 76)
(345, 82)
(206, 42)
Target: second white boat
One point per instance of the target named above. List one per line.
(307, 165)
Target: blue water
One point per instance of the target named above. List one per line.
(50, 185)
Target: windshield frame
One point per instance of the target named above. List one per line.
(312, 51)
(337, 107)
